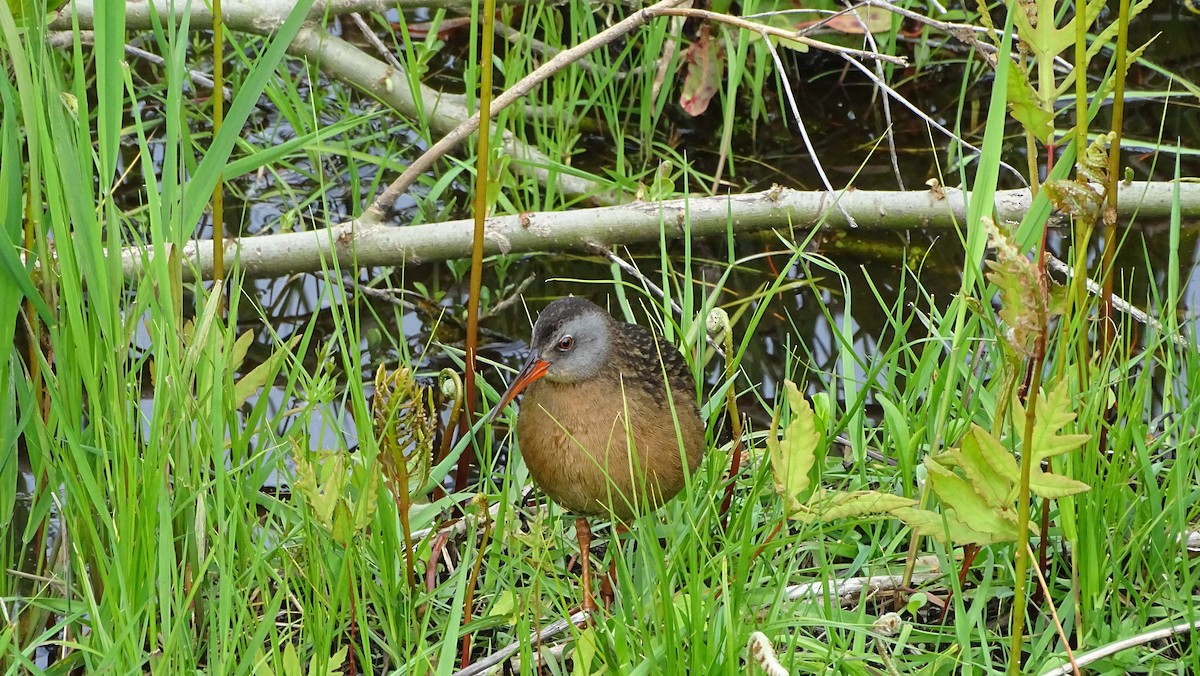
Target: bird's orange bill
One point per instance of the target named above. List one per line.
(534, 368)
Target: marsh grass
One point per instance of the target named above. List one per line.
(167, 531)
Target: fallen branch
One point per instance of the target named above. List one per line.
(779, 209)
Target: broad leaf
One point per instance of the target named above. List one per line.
(830, 505)
(705, 65)
(1052, 415)
(970, 507)
(793, 455)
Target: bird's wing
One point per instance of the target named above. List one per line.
(653, 356)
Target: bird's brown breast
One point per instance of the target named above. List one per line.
(576, 439)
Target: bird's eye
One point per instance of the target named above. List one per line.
(565, 343)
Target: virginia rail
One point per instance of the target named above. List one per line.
(609, 425)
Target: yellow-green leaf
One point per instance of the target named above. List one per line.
(1025, 107)
(793, 456)
(240, 347)
(262, 374)
(343, 523)
(368, 500)
(321, 494)
(1052, 415)
(505, 606)
(585, 652)
(336, 660)
(989, 466)
(1050, 486)
(946, 528)
(840, 505)
(957, 494)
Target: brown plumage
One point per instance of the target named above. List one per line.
(594, 389)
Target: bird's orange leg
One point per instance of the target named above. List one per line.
(584, 533)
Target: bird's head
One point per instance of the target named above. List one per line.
(571, 342)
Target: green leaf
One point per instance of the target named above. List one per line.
(1053, 414)
(830, 505)
(322, 495)
(793, 456)
(240, 347)
(367, 502)
(945, 528)
(970, 507)
(260, 375)
(342, 527)
(11, 239)
(585, 652)
(505, 606)
(1026, 108)
(1050, 486)
(992, 469)
(291, 661)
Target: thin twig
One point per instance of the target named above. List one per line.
(812, 152)
(376, 42)
(1054, 613)
(558, 62)
(926, 118)
(1119, 303)
(889, 133)
(568, 57)
(553, 629)
(852, 588)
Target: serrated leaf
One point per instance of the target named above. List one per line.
(336, 660)
(324, 494)
(1053, 414)
(1051, 486)
(1079, 200)
(842, 505)
(975, 456)
(793, 455)
(970, 507)
(945, 528)
(1022, 301)
(1026, 108)
(999, 458)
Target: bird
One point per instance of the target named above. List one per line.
(609, 425)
